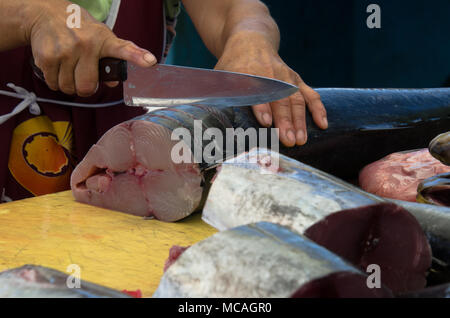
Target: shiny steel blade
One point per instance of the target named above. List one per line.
(169, 85)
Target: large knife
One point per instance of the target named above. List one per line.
(169, 85)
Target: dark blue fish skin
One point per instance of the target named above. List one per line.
(367, 124)
(364, 125)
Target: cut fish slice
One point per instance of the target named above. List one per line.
(129, 170)
(262, 260)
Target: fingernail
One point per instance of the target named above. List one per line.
(325, 121)
(290, 136)
(300, 137)
(267, 119)
(150, 58)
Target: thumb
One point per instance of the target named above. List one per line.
(127, 50)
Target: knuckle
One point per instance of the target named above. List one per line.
(66, 51)
(65, 54)
(87, 43)
(279, 65)
(298, 99)
(299, 121)
(299, 124)
(298, 79)
(70, 43)
(284, 118)
(318, 111)
(261, 109)
(283, 103)
(68, 89)
(51, 83)
(100, 30)
(126, 44)
(45, 61)
(77, 40)
(313, 95)
(86, 89)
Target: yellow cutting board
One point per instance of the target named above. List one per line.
(113, 249)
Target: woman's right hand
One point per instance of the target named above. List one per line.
(69, 57)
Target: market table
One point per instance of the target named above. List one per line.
(113, 249)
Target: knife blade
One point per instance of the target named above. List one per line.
(164, 85)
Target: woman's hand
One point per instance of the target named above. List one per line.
(248, 52)
(69, 57)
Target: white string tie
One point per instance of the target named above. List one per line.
(29, 100)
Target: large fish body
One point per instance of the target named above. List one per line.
(260, 261)
(31, 281)
(368, 124)
(132, 169)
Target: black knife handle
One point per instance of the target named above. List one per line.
(109, 69)
(112, 70)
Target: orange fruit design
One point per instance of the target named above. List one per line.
(44, 155)
(39, 158)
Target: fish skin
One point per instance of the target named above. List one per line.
(31, 281)
(251, 261)
(440, 148)
(248, 196)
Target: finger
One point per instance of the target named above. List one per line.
(126, 50)
(86, 75)
(298, 108)
(263, 114)
(282, 116)
(111, 84)
(315, 105)
(66, 78)
(50, 69)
